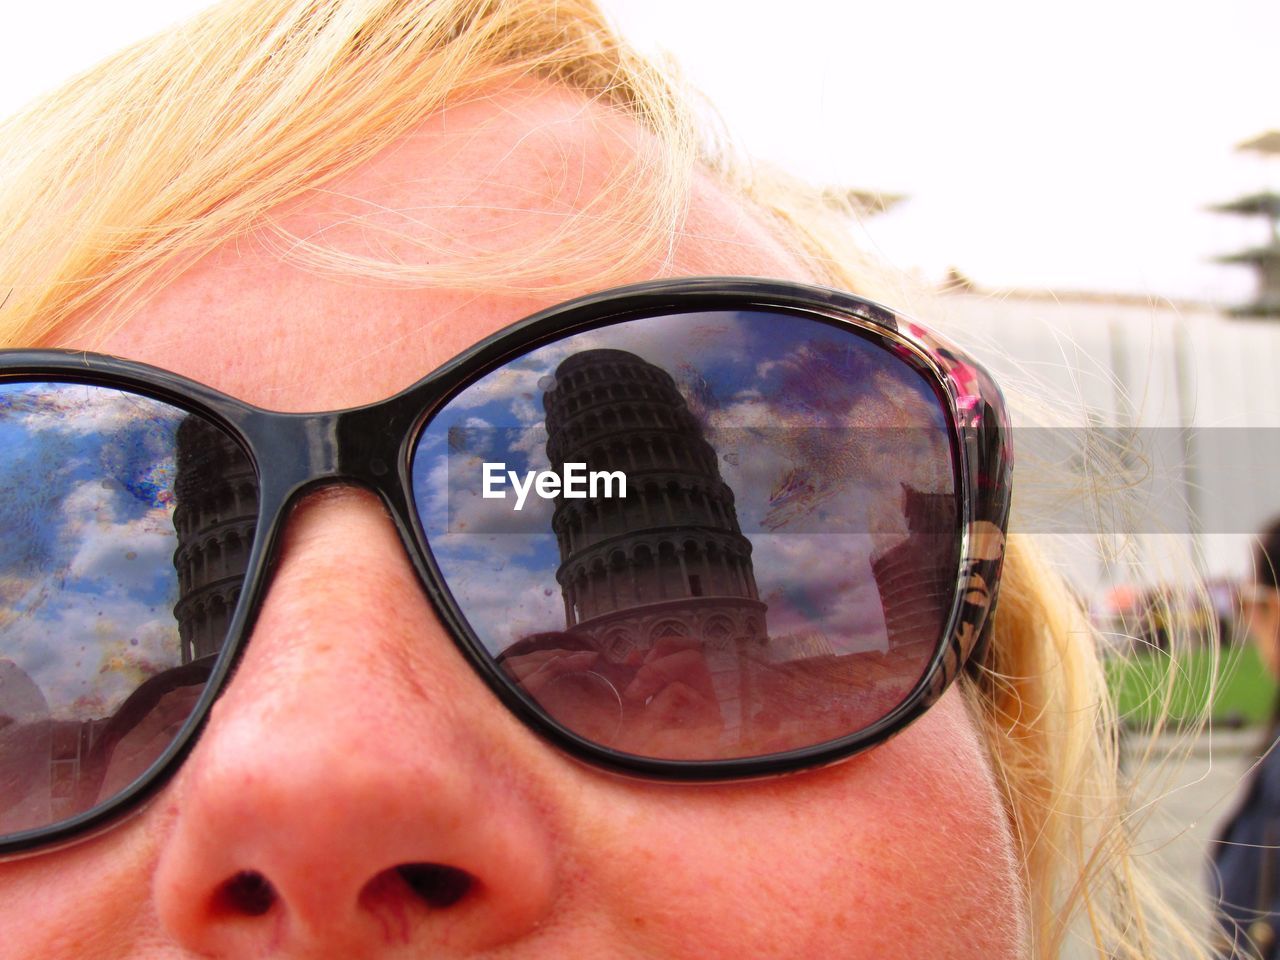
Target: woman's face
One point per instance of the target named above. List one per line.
(354, 740)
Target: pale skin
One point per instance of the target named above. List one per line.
(355, 739)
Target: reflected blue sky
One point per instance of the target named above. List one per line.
(816, 430)
(87, 583)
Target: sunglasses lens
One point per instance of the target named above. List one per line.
(126, 529)
(700, 536)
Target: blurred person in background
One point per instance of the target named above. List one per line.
(1245, 879)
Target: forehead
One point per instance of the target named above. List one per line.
(330, 303)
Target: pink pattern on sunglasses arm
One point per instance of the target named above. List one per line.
(970, 410)
(982, 424)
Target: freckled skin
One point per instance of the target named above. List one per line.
(355, 739)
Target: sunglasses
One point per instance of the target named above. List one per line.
(700, 530)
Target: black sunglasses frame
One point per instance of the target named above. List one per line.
(372, 446)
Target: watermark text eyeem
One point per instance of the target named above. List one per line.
(576, 483)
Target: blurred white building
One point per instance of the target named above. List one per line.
(1180, 403)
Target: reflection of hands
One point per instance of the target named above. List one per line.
(672, 690)
(536, 670)
(564, 684)
(667, 705)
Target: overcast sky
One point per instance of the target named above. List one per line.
(1065, 146)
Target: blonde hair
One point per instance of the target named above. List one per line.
(132, 171)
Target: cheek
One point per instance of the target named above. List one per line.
(819, 863)
(92, 900)
(903, 852)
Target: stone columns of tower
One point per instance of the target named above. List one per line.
(669, 560)
(217, 508)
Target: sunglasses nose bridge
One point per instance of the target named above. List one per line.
(370, 442)
(292, 451)
(297, 454)
(362, 446)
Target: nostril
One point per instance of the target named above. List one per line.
(437, 884)
(248, 893)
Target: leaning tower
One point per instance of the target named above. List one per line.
(217, 509)
(669, 560)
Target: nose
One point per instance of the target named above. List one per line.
(357, 791)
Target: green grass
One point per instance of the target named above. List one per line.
(1245, 691)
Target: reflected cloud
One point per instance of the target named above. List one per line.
(781, 568)
(99, 482)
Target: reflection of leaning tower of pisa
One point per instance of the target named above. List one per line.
(217, 508)
(669, 560)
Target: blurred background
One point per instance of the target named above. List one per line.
(1088, 196)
